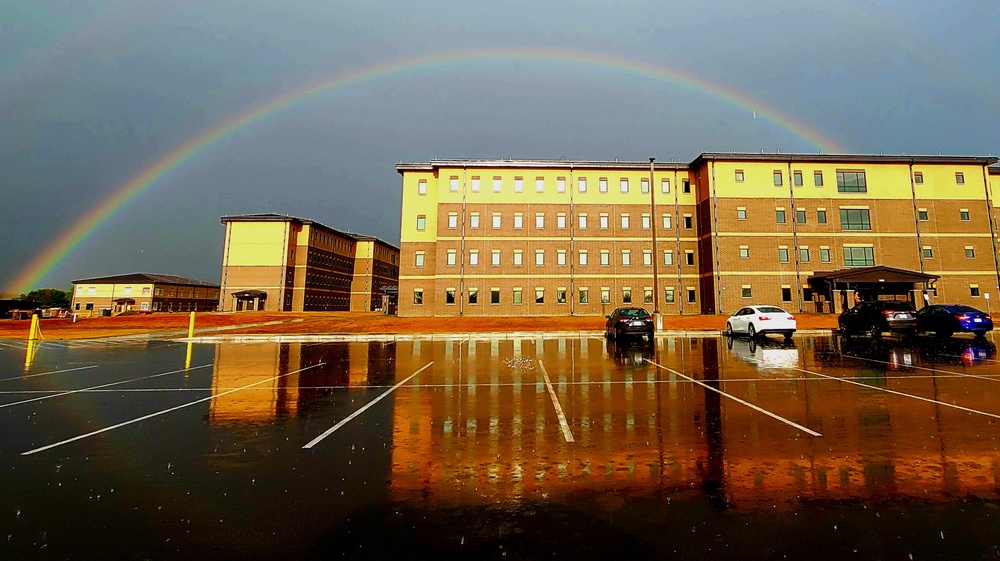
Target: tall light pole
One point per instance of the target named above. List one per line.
(652, 225)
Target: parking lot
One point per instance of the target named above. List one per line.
(690, 447)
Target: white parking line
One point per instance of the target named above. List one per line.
(915, 367)
(163, 412)
(567, 434)
(60, 394)
(740, 401)
(347, 419)
(47, 373)
(894, 392)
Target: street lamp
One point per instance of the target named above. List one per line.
(652, 227)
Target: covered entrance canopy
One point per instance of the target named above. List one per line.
(250, 300)
(123, 304)
(835, 291)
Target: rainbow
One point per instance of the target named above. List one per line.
(58, 250)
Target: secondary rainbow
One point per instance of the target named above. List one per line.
(59, 249)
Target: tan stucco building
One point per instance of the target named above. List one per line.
(543, 237)
(142, 292)
(282, 263)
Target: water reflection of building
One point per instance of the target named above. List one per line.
(239, 365)
(490, 432)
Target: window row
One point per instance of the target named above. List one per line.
(582, 220)
(854, 256)
(848, 181)
(451, 295)
(583, 257)
(624, 185)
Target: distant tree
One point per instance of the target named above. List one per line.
(48, 297)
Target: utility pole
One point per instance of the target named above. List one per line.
(652, 227)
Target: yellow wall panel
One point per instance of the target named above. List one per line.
(257, 244)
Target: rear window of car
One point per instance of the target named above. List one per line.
(966, 309)
(771, 310)
(897, 306)
(635, 314)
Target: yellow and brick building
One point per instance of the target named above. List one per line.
(542, 237)
(142, 292)
(282, 263)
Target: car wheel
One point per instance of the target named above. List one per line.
(979, 333)
(788, 337)
(729, 329)
(752, 331)
(875, 331)
(944, 333)
(618, 334)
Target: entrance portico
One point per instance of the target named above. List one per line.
(835, 291)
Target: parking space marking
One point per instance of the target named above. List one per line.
(915, 367)
(348, 419)
(165, 411)
(567, 434)
(738, 400)
(894, 392)
(47, 373)
(70, 392)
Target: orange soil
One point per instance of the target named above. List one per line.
(303, 323)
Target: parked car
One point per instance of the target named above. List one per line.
(944, 320)
(629, 321)
(761, 320)
(879, 316)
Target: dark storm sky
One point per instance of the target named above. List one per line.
(93, 92)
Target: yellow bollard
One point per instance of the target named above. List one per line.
(191, 326)
(29, 356)
(34, 332)
(187, 359)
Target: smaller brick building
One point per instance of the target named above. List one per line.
(142, 292)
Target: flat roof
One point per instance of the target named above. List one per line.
(137, 278)
(273, 217)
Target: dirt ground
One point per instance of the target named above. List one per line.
(307, 323)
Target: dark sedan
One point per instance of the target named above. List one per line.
(879, 316)
(944, 320)
(629, 321)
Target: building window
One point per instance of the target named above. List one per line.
(922, 215)
(142, 306)
(584, 296)
(539, 257)
(561, 221)
(452, 257)
(583, 184)
(664, 185)
(824, 254)
(970, 252)
(668, 257)
(539, 295)
(453, 184)
(686, 186)
(560, 185)
(494, 296)
(518, 258)
(496, 220)
(741, 214)
(473, 295)
(746, 291)
(851, 182)
(582, 220)
(475, 184)
(474, 221)
(127, 291)
(422, 187)
(473, 257)
(797, 178)
(689, 257)
(626, 296)
(518, 221)
(688, 221)
(782, 255)
(626, 257)
(561, 258)
(624, 185)
(859, 257)
(974, 290)
(497, 182)
(583, 257)
(418, 296)
(518, 184)
(963, 215)
(918, 178)
(667, 222)
(821, 216)
(739, 176)
(560, 295)
(644, 186)
(449, 296)
(605, 295)
(855, 219)
(517, 297)
(959, 178)
(779, 216)
(647, 258)
(418, 259)
(602, 185)
(800, 215)
(691, 296)
(421, 222)
(786, 294)
(744, 252)
(495, 258)
(777, 178)
(90, 306)
(452, 220)
(604, 221)
(668, 295)
(605, 258)
(539, 184)
(539, 221)
(818, 178)
(646, 222)
(803, 254)
(647, 295)
(145, 291)
(927, 252)
(625, 222)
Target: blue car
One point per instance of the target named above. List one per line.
(948, 319)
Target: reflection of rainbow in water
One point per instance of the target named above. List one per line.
(59, 249)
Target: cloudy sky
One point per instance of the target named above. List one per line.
(94, 94)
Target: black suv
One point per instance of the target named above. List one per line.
(879, 316)
(629, 321)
